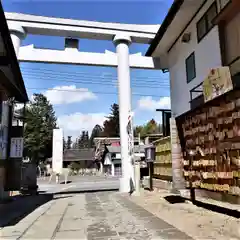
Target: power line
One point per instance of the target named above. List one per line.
(80, 72)
(155, 80)
(95, 92)
(111, 83)
(98, 79)
(89, 78)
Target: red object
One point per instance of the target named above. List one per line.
(116, 144)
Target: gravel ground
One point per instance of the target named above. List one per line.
(197, 222)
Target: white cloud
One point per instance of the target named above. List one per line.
(73, 124)
(68, 94)
(148, 103)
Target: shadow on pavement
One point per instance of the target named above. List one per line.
(173, 199)
(86, 191)
(41, 192)
(66, 182)
(20, 207)
(218, 209)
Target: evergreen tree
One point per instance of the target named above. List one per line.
(75, 144)
(83, 141)
(150, 128)
(111, 125)
(64, 144)
(96, 132)
(40, 121)
(69, 142)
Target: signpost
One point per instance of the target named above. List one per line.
(150, 153)
(57, 156)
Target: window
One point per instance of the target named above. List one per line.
(231, 41)
(190, 67)
(205, 24)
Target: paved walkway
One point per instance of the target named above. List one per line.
(91, 216)
(80, 183)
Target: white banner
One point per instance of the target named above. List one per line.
(130, 136)
(57, 154)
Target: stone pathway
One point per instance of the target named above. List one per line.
(89, 216)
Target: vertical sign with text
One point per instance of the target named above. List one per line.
(130, 136)
(57, 154)
(16, 147)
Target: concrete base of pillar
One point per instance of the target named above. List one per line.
(137, 178)
(136, 193)
(124, 185)
(184, 192)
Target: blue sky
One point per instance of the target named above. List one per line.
(81, 111)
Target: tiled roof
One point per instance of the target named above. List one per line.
(117, 149)
(78, 154)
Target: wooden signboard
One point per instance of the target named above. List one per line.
(217, 83)
(16, 147)
(14, 163)
(212, 134)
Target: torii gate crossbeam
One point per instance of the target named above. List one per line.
(50, 26)
(122, 36)
(74, 57)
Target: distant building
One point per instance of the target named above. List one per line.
(84, 157)
(108, 154)
(101, 142)
(112, 159)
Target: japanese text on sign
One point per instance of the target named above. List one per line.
(16, 148)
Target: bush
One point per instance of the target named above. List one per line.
(75, 167)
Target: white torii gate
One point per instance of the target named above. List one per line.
(122, 36)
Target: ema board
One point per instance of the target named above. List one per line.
(57, 154)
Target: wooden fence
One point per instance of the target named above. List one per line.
(163, 164)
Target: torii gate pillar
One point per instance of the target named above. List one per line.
(17, 35)
(122, 43)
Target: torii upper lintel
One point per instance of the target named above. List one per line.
(49, 26)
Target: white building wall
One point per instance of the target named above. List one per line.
(207, 56)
